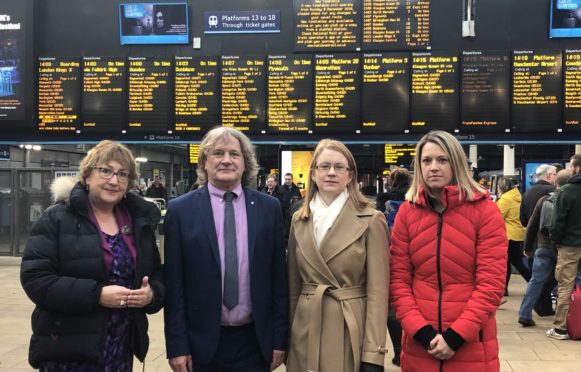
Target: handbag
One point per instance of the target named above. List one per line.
(574, 314)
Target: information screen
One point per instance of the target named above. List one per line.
(149, 94)
(104, 95)
(385, 92)
(243, 96)
(59, 94)
(572, 112)
(396, 24)
(435, 79)
(485, 91)
(197, 82)
(399, 154)
(536, 90)
(327, 25)
(290, 93)
(337, 93)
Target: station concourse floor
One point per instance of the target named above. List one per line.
(521, 349)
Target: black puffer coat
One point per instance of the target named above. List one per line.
(63, 271)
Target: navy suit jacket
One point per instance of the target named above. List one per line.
(193, 307)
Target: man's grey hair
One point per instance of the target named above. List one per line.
(543, 171)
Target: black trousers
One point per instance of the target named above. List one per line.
(515, 257)
(238, 351)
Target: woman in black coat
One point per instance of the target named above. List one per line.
(92, 267)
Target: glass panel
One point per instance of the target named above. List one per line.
(33, 198)
(5, 214)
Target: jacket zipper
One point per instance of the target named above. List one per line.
(438, 263)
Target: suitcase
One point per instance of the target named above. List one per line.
(574, 314)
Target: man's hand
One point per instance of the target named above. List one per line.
(181, 364)
(439, 349)
(278, 357)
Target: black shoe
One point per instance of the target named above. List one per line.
(396, 360)
(506, 291)
(527, 322)
(544, 311)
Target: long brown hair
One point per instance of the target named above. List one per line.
(356, 197)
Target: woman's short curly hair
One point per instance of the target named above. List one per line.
(102, 154)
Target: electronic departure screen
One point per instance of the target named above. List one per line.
(327, 25)
(104, 94)
(572, 112)
(485, 91)
(290, 93)
(337, 93)
(196, 93)
(396, 24)
(59, 94)
(385, 99)
(149, 94)
(243, 96)
(434, 103)
(399, 154)
(536, 90)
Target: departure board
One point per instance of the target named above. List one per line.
(327, 25)
(434, 102)
(104, 94)
(385, 93)
(396, 24)
(290, 93)
(536, 91)
(337, 93)
(572, 70)
(59, 94)
(149, 94)
(243, 96)
(399, 154)
(485, 91)
(196, 93)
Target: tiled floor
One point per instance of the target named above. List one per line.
(521, 349)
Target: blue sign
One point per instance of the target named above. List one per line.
(4, 152)
(239, 22)
(568, 4)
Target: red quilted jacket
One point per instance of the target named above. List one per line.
(449, 271)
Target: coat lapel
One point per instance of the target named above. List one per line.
(251, 209)
(348, 227)
(208, 221)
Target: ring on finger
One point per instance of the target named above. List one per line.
(122, 303)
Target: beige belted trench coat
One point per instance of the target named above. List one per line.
(338, 293)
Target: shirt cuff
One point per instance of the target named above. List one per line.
(453, 339)
(425, 335)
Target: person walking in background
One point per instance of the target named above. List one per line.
(398, 185)
(273, 189)
(543, 269)
(156, 190)
(338, 271)
(566, 234)
(448, 263)
(227, 290)
(509, 204)
(92, 268)
(292, 191)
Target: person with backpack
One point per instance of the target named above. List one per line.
(545, 259)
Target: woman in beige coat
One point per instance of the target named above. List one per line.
(338, 271)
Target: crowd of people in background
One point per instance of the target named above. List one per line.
(313, 279)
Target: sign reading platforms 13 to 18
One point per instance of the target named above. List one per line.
(236, 22)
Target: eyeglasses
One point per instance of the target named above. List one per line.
(108, 173)
(326, 167)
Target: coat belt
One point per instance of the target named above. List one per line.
(316, 314)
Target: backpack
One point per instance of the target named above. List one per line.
(391, 208)
(546, 215)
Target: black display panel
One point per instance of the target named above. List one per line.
(396, 24)
(434, 102)
(243, 96)
(290, 94)
(485, 91)
(385, 98)
(331, 25)
(197, 82)
(59, 94)
(536, 91)
(149, 94)
(337, 93)
(104, 103)
(399, 154)
(572, 83)
(13, 81)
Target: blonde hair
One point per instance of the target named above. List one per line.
(461, 174)
(356, 197)
(219, 134)
(102, 154)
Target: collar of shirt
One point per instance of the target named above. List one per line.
(216, 192)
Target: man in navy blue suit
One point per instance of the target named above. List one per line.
(227, 295)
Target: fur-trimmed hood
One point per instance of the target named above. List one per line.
(61, 188)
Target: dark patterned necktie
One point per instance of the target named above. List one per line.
(230, 298)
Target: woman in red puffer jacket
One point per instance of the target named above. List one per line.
(448, 264)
